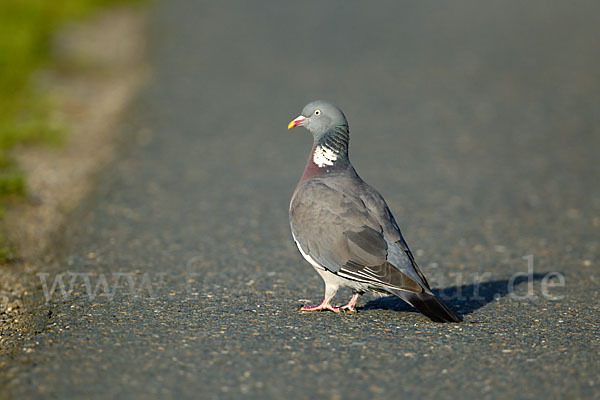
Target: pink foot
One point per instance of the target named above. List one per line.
(350, 307)
(324, 306)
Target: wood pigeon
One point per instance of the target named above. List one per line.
(344, 228)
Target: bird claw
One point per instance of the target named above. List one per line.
(351, 306)
(321, 307)
(348, 308)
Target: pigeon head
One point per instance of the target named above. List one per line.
(320, 117)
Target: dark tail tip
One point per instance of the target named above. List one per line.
(430, 306)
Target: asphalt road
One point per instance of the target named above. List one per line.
(477, 121)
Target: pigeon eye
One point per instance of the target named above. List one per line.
(317, 112)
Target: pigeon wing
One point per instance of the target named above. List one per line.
(342, 234)
(399, 253)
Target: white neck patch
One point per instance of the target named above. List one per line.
(324, 156)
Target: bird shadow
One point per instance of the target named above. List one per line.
(463, 299)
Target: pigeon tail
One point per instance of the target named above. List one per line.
(429, 305)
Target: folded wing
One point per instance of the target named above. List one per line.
(343, 235)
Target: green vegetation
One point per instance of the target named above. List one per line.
(26, 28)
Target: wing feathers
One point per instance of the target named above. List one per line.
(385, 275)
(350, 235)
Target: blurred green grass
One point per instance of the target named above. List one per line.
(26, 28)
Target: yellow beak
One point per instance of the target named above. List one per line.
(297, 121)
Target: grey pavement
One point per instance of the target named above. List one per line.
(477, 121)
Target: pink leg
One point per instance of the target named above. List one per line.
(351, 304)
(324, 306)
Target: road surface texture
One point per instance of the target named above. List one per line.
(477, 121)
